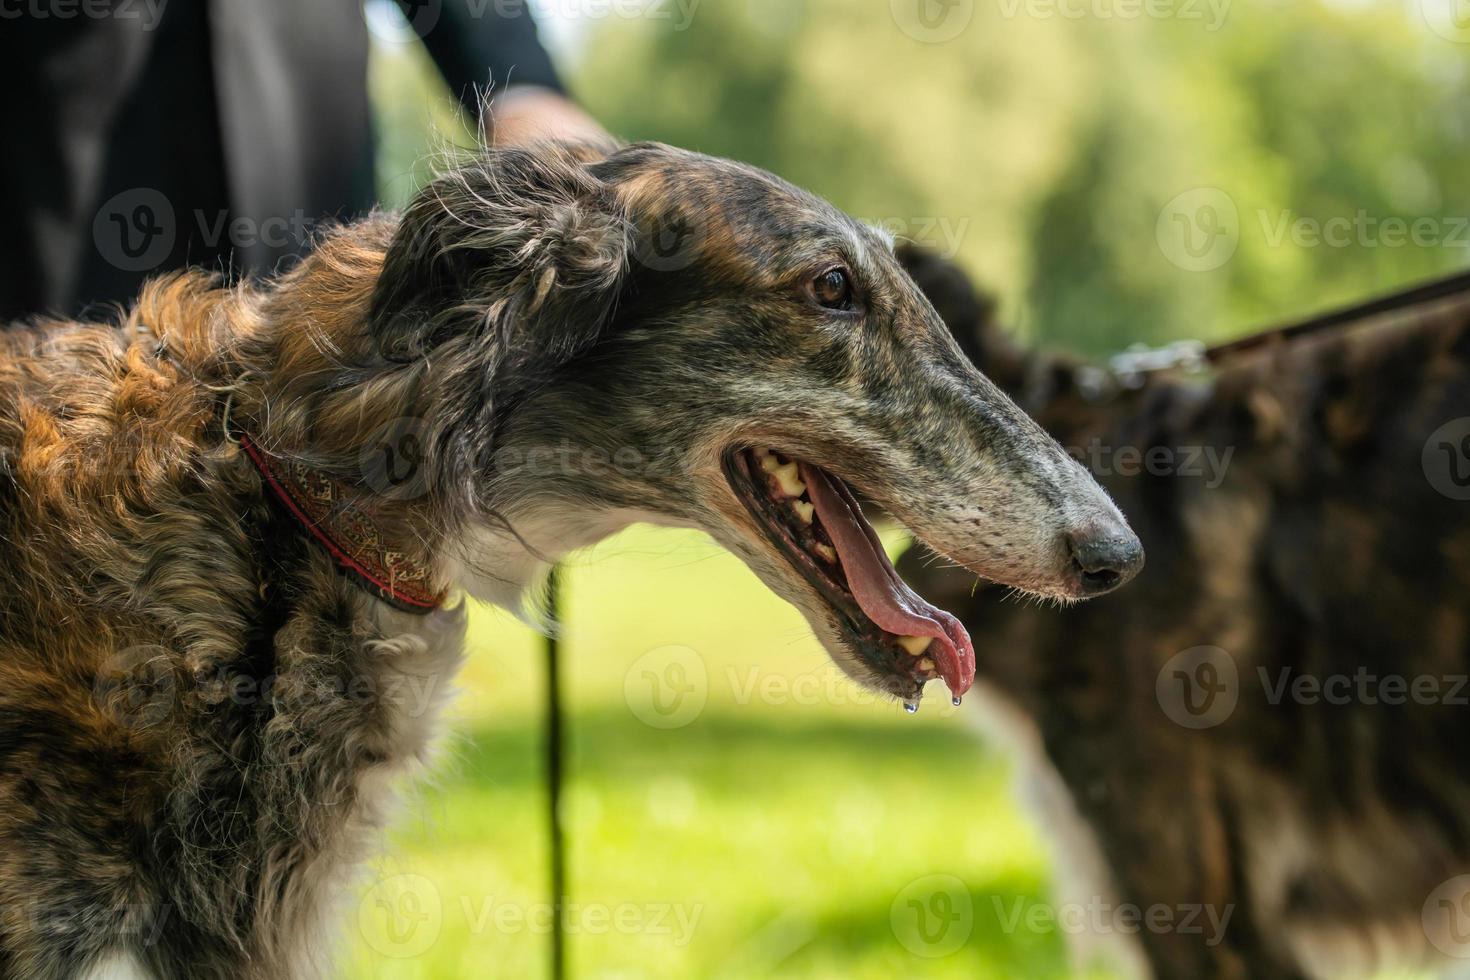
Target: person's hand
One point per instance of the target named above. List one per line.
(527, 113)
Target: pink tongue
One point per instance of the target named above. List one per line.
(884, 597)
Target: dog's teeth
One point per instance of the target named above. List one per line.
(926, 664)
(915, 645)
(804, 510)
(826, 551)
(770, 463)
(791, 484)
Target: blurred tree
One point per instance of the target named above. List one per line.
(1077, 155)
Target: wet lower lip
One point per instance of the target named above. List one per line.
(771, 489)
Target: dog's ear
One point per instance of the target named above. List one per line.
(521, 254)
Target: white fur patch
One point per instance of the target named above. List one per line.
(117, 966)
(506, 569)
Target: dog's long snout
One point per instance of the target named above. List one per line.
(1104, 559)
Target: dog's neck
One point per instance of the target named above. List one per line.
(313, 419)
(320, 408)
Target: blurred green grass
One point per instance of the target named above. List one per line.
(772, 832)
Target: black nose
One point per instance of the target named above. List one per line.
(1104, 561)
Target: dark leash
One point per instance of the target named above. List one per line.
(1133, 364)
(555, 733)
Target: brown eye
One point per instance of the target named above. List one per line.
(833, 289)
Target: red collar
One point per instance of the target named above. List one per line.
(329, 511)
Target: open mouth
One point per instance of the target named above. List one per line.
(814, 520)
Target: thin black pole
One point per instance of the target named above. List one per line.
(554, 744)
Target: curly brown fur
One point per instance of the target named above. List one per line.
(200, 715)
(1323, 550)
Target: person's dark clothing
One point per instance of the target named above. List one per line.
(203, 132)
